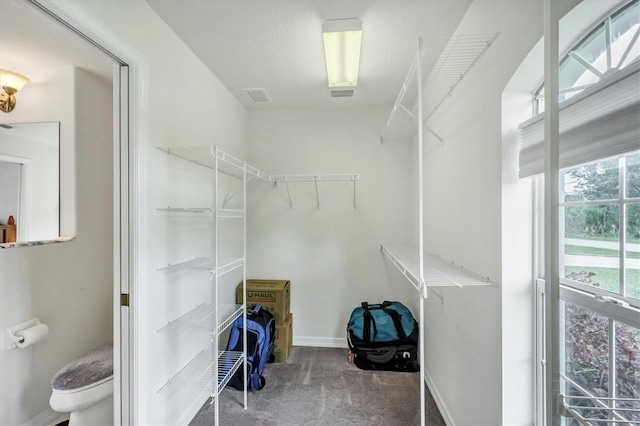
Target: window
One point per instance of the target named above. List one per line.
(600, 227)
(600, 263)
(609, 47)
(599, 224)
(600, 292)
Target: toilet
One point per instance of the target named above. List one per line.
(84, 388)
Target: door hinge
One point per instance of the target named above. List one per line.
(124, 299)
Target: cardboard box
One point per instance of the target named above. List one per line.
(273, 295)
(284, 339)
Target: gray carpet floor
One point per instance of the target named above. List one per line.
(317, 386)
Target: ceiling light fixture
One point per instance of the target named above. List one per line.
(342, 39)
(11, 82)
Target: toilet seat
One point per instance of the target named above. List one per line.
(81, 398)
(84, 387)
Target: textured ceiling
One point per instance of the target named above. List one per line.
(277, 44)
(33, 43)
(270, 44)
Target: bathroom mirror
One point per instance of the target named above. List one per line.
(29, 183)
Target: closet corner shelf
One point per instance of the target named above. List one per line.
(206, 264)
(206, 156)
(202, 318)
(200, 373)
(437, 271)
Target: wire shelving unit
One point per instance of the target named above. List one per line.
(208, 372)
(437, 68)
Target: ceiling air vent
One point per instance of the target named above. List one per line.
(258, 95)
(341, 93)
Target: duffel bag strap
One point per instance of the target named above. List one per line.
(368, 321)
(397, 322)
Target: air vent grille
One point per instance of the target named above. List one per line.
(258, 95)
(341, 93)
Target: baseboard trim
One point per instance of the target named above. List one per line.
(47, 417)
(446, 416)
(320, 342)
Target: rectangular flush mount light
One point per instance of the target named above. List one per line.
(342, 38)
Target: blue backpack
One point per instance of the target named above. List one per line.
(261, 330)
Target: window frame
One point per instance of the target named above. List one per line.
(616, 308)
(570, 54)
(615, 313)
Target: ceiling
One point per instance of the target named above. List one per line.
(277, 44)
(268, 44)
(32, 43)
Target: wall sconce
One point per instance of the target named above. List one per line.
(342, 39)
(11, 82)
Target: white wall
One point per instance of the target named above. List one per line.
(479, 340)
(68, 285)
(183, 104)
(331, 254)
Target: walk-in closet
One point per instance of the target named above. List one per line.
(218, 164)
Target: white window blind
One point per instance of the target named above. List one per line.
(601, 121)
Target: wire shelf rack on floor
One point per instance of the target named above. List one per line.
(202, 318)
(199, 374)
(437, 271)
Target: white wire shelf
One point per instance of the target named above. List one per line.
(202, 318)
(445, 70)
(444, 62)
(202, 211)
(257, 173)
(227, 314)
(206, 156)
(403, 120)
(204, 263)
(314, 178)
(437, 271)
(200, 373)
(237, 213)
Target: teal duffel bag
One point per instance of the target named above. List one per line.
(381, 324)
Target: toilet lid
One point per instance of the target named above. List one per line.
(86, 370)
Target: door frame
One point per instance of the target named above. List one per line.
(24, 203)
(129, 110)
